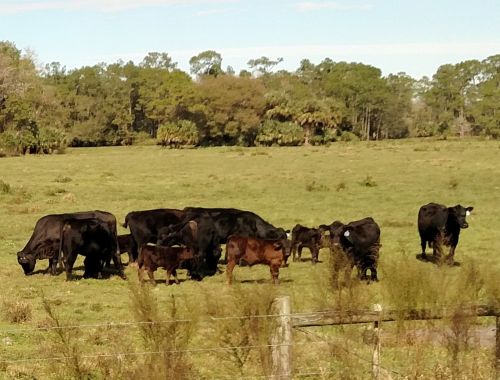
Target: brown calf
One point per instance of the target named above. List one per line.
(256, 251)
(170, 258)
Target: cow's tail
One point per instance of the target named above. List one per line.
(125, 223)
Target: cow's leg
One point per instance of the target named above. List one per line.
(167, 276)
(69, 261)
(373, 273)
(314, 255)
(140, 273)
(229, 270)
(299, 253)
(174, 272)
(275, 271)
(450, 259)
(423, 243)
(151, 276)
(294, 252)
(53, 265)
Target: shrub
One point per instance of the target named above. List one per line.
(183, 132)
(273, 132)
(348, 136)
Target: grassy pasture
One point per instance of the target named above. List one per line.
(387, 180)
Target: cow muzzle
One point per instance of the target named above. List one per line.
(465, 225)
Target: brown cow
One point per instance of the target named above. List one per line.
(256, 251)
(170, 258)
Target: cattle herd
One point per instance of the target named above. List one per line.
(191, 239)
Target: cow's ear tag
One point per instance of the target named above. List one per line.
(347, 233)
(467, 213)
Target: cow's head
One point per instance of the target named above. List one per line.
(461, 213)
(285, 246)
(338, 232)
(27, 262)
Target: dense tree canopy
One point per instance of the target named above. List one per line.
(45, 109)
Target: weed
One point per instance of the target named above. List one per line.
(62, 179)
(5, 188)
(341, 186)
(17, 312)
(368, 181)
(313, 186)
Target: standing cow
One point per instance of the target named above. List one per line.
(199, 234)
(170, 258)
(256, 251)
(89, 238)
(356, 244)
(144, 226)
(439, 225)
(305, 237)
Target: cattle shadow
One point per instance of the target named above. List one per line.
(171, 282)
(307, 259)
(263, 281)
(439, 261)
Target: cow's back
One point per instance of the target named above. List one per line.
(432, 217)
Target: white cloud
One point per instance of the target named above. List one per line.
(94, 5)
(305, 6)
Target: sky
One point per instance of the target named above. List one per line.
(414, 37)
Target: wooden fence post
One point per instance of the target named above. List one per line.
(282, 340)
(376, 348)
(497, 348)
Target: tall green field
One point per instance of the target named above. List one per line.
(387, 180)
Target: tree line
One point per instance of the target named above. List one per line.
(44, 109)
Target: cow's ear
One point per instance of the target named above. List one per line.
(347, 234)
(468, 210)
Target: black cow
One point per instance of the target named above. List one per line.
(231, 221)
(219, 224)
(45, 240)
(90, 238)
(125, 244)
(356, 244)
(200, 235)
(305, 237)
(440, 225)
(144, 225)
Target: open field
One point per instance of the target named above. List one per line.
(387, 180)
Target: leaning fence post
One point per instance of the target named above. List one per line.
(376, 348)
(282, 340)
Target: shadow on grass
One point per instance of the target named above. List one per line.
(436, 260)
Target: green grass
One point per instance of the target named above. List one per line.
(387, 180)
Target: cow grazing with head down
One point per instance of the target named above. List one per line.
(356, 244)
(45, 241)
(170, 258)
(90, 238)
(144, 225)
(305, 237)
(256, 251)
(440, 225)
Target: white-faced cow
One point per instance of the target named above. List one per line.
(439, 225)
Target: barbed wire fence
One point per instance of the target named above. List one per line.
(295, 321)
